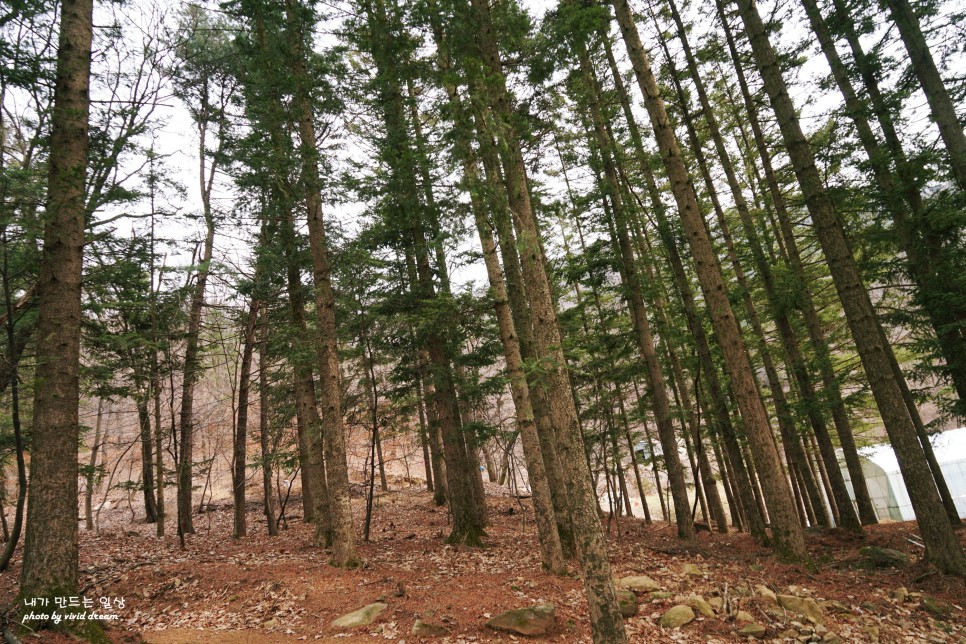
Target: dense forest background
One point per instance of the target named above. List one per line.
(666, 259)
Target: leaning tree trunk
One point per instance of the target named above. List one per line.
(606, 621)
(942, 547)
(788, 539)
(924, 256)
(50, 546)
(550, 548)
(523, 323)
(635, 300)
(794, 359)
(940, 102)
(551, 551)
(813, 323)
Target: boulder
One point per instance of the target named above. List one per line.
(883, 557)
(766, 593)
(628, 603)
(638, 584)
(752, 630)
(536, 620)
(803, 606)
(677, 616)
(425, 629)
(743, 616)
(835, 606)
(692, 570)
(362, 617)
(698, 604)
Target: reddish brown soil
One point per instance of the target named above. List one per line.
(281, 589)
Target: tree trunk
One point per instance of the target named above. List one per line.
(147, 455)
(721, 415)
(158, 446)
(315, 494)
(426, 392)
(941, 105)
(925, 255)
(92, 472)
(50, 546)
(192, 358)
(942, 547)
(240, 447)
(336, 467)
(268, 499)
(523, 324)
(551, 553)
(423, 437)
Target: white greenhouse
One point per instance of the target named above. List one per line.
(888, 492)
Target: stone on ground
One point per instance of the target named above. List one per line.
(752, 630)
(362, 617)
(744, 616)
(536, 620)
(638, 584)
(698, 603)
(628, 603)
(804, 606)
(884, 557)
(766, 593)
(692, 570)
(425, 629)
(677, 616)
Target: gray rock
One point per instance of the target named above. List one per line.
(362, 617)
(424, 629)
(628, 603)
(677, 616)
(638, 584)
(536, 620)
(752, 630)
(804, 606)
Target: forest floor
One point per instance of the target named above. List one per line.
(281, 589)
